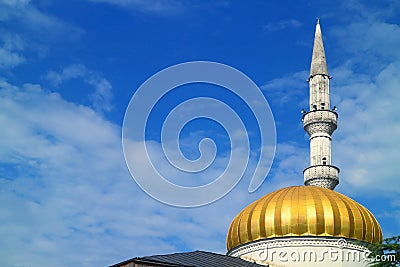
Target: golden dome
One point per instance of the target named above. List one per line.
(303, 211)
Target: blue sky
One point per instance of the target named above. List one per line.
(68, 70)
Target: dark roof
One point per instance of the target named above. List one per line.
(193, 259)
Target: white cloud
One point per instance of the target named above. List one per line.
(102, 96)
(54, 153)
(26, 24)
(148, 6)
(9, 59)
(10, 48)
(65, 190)
(34, 20)
(282, 25)
(288, 88)
(365, 89)
(69, 72)
(366, 146)
(369, 11)
(288, 167)
(368, 42)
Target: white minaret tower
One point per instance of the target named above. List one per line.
(320, 121)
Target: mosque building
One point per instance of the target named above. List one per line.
(310, 225)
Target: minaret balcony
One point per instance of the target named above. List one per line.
(320, 121)
(316, 174)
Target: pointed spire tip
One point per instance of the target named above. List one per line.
(318, 61)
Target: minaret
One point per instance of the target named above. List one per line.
(320, 121)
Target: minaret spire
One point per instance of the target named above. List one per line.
(320, 121)
(318, 62)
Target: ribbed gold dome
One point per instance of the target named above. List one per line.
(303, 211)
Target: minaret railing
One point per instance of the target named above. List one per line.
(320, 121)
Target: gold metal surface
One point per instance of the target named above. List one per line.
(303, 211)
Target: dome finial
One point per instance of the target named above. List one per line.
(317, 20)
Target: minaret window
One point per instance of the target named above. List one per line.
(322, 105)
(323, 161)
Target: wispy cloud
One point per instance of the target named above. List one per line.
(290, 160)
(378, 42)
(10, 48)
(23, 21)
(10, 59)
(102, 96)
(281, 25)
(66, 190)
(30, 18)
(55, 152)
(163, 7)
(65, 183)
(370, 11)
(365, 89)
(367, 147)
(288, 88)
